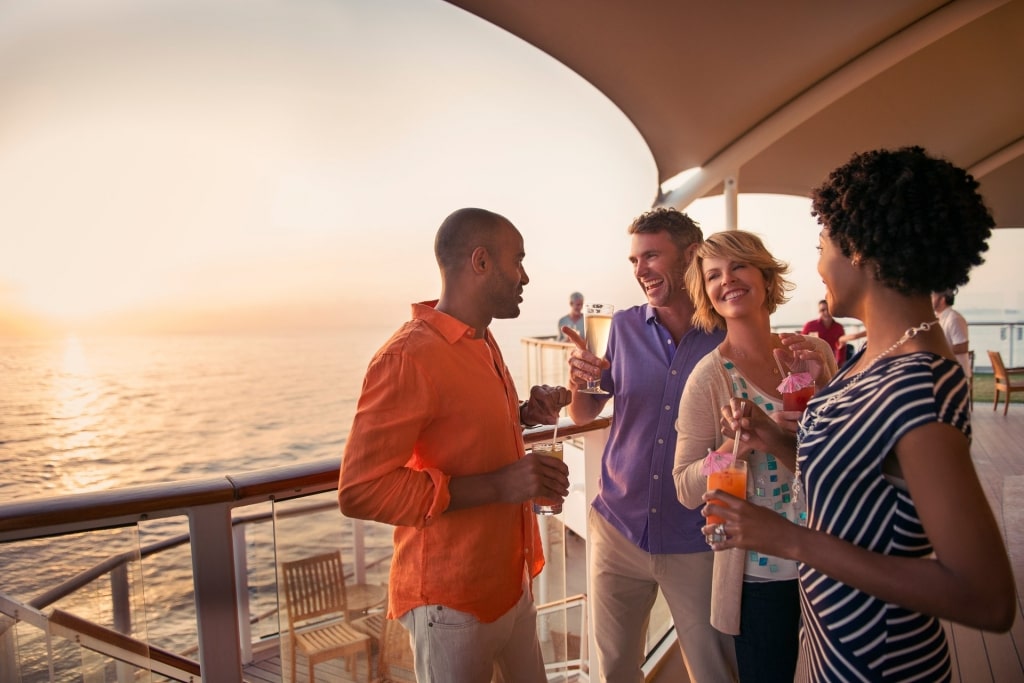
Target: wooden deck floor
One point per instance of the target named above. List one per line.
(979, 657)
(998, 452)
(267, 668)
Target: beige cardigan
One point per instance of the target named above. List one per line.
(708, 389)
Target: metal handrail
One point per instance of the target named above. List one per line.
(56, 515)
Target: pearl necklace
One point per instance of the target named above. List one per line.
(812, 419)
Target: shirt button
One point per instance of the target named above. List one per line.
(668, 407)
(675, 372)
(654, 510)
(657, 476)
(661, 440)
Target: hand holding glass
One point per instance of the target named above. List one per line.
(545, 506)
(732, 479)
(598, 323)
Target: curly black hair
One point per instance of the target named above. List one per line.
(917, 219)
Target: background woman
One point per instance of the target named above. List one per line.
(736, 284)
(899, 531)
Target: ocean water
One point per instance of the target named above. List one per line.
(102, 413)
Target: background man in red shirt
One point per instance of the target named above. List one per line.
(825, 327)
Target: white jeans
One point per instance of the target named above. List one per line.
(450, 646)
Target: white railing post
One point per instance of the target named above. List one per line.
(359, 550)
(242, 592)
(120, 598)
(213, 565)
(8, 650)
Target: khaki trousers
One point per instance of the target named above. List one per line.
(624, 583)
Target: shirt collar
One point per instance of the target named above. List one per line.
(452, 329)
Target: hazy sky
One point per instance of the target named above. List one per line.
(282, 165)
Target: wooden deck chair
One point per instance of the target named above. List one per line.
(371, 625)
(315, 600)
(1004, 379)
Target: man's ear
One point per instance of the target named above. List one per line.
(690, 251)
(480, 260)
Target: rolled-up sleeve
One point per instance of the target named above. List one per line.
(379, 479)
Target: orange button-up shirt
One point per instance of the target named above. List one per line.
(437, 404)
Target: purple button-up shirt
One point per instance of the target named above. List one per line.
(646, 378)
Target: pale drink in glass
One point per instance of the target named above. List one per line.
(546, 506)
(597, 323)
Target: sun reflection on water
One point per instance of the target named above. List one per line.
(74, 451)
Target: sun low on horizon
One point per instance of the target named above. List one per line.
(208, 165)
(185, 164)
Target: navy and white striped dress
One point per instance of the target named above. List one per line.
(849, 635)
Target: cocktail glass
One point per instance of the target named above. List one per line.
(546, 506)
(731, 479)
(797, 399)
(797, 386)
(597, 321)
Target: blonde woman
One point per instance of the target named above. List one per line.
(736, 284)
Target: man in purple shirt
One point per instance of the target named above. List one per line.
(641, 537)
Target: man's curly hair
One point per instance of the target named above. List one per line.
(918, 220)
(682, 229)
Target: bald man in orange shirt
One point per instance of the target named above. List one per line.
(436, 449)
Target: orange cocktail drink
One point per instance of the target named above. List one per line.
(732, 479)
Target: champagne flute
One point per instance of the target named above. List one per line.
(597, 321)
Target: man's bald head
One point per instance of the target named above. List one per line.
(462, 232)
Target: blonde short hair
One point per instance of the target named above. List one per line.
(735, 245)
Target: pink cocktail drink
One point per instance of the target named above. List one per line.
(797, 400)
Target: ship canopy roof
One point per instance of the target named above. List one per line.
(770, 96)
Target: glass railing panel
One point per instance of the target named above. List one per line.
(551, 588)
(255, 545)
(170, 591)
(94, 576)
(313, 525)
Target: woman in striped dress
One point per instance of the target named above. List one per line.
(899, 533)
